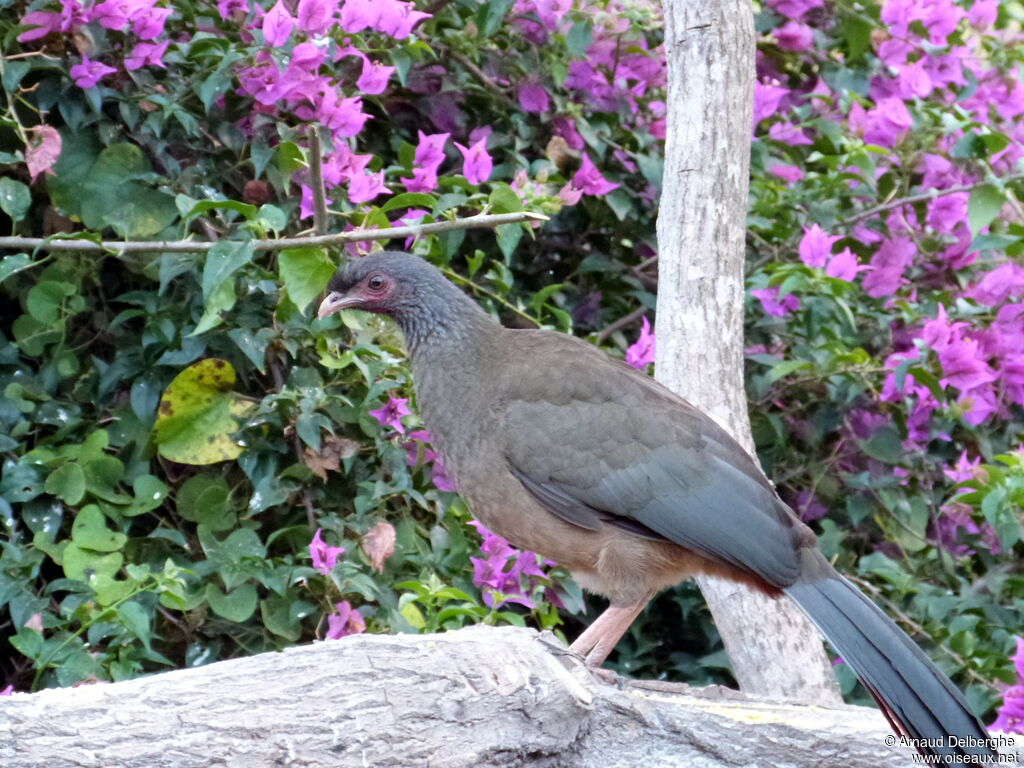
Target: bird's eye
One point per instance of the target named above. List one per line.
(375, 283)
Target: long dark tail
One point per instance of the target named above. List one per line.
(919, 701)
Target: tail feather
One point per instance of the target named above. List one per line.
(915, 696)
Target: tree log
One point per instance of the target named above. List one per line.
(477, 698)
(709, 48)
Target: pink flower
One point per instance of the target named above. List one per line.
(788, 133)
(277, 25)
(439, 477)
(347, 621)
(789, 173)
(343, 117)
(998, 285)
(794, 36)
(89, 73)
(533, 98)
(9, 690)
(769, 298)
(324, 557)
(397, 19)
(476, 163)
(794, 9)
(40, 24)
(149, 24)
(228, 7)
(888, 265)
(146, 54)
(914, 81)
(589, 179)
(390, 415)
(816, 246)
(641, 352)
(844, 265)
(315, 16)
(964, 469)
(363, 186)
(374, 77)
(430, 150)
(963, 367)
(887, 123)
(505, 575)
(766, 100)
(947, 212)
(423, 180)
(1011, 713)
(566, 128)
(983, 13)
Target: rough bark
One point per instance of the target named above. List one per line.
(709, 45)
(477, 698)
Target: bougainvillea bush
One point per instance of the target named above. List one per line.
(195, 467)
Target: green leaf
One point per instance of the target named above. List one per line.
(235, 606)
(984, 205)
(409, 200)
(785, 368)
(198, 414)
(276, 615)
(15, 198)
(150, 492)
(580, 36)
(503, 199)
(272, 217)
(136, 620)
(67, 483)
(305, 273)
(206, 499)
(46, 300)
(222, 300)
(508, 236)
(490, 16)
(11, 265)
(109, 188)
(89, 531)
(102, 475)
(222, 261)
(81, 563)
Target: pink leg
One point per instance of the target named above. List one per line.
(598, 640)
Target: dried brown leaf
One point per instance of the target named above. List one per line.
(379, 544)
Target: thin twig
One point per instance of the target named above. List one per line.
(923, 197)
(621, 323)
(487, 82)
(274, 244)
(316, 173)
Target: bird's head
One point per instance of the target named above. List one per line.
(413, 291)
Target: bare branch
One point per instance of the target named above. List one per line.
(277, 244)
(316, 173)
(922, 197)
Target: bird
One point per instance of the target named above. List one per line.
(567, 452)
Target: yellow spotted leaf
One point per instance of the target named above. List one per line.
(198, 414)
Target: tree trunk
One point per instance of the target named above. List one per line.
(709, 45)
(477, 698)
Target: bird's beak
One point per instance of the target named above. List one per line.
(335, 302)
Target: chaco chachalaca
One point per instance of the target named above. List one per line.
(591, 463)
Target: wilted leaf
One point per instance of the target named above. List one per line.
(43, 150)
(379, 544)
(198, 414)
(332, 450)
